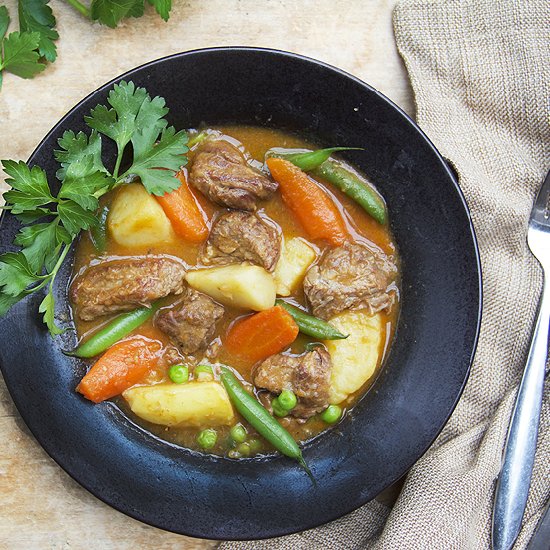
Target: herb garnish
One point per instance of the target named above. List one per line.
(133, 117)
(25, 52)
(19, 50)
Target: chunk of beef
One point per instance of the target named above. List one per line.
(171, 356)
(221, 172)
(122, 285)
(351, 276)
(242, 236)
(191, 322)
(307, 375)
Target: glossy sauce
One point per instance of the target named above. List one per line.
(254, 141)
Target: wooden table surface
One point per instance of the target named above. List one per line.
(41, 506)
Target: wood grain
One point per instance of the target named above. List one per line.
(42, 507)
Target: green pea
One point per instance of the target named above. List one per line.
(179, 374)
(287, 400)
(238, 433)
(207, 438)
(234, 454)
(255, 446)
(278, 410)
(331, 414)
(244, 449)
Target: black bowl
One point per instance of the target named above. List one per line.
(203, 496)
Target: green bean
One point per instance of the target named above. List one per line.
(313, 159)
(354, 187)
(321, 165)
(116, 330)
(260, 418)
(98, 232)
(316, 328)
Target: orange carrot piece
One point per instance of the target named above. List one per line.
(183, 211)
(311, 205)
(262, 334)
(120, 367)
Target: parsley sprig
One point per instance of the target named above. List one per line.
(26, 51)
(53, 222)
(21, 51)
(111, 12)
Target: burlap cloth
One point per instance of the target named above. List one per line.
(480, 74)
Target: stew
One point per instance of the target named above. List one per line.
(248, 309)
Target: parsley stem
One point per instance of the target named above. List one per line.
(49, 277)
(64, 253)
(44, 282)
(117, 166)
(84, 10)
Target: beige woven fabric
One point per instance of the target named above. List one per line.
(481, 78)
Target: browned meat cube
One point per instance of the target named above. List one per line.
(221, 172)
(307, 375)
(242, 236)
(123, 285)
(191, 322)
(350, 277)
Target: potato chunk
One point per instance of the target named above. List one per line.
(296, 257)
(244, 286)
(196, 404)
(354, 359)
(137, 219)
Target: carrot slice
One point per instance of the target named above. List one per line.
(183, 211)
(311, 205)
(120, 367)
(262, 334)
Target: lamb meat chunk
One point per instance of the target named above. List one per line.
(123, 285)
(221, 172)
(307, 375)
(350, 277)
(191, 322)
(242, 236)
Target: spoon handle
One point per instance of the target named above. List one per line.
(519, 455)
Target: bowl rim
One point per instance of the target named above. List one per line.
(50, 449)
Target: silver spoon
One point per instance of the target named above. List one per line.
(519, 455)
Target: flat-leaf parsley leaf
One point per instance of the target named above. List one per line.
(19, 54)
(74, 147)
(163, 7)
(37, 16)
